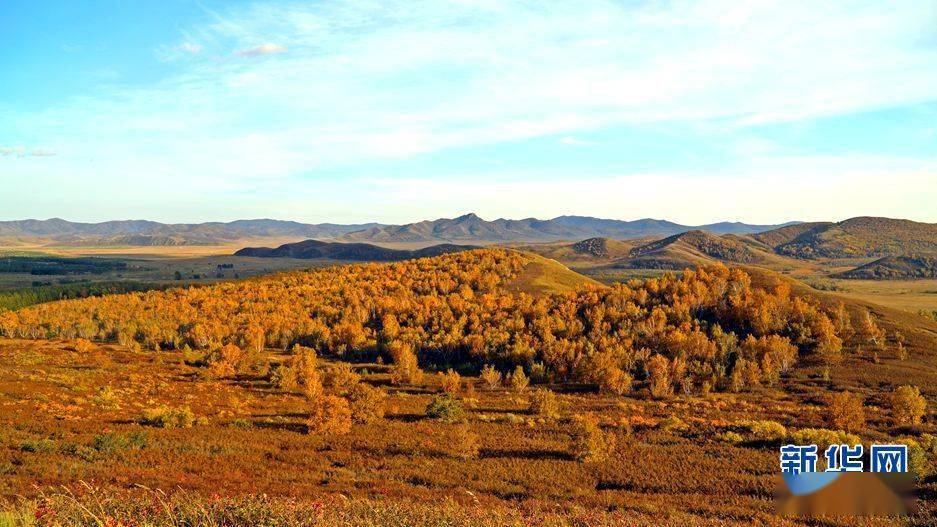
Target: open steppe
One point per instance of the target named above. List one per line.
(178, 408)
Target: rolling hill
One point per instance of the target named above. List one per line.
(471, 228)
(689, 249)
(544, 275)
(359, 252)
(597, 250)
(862, 237)
(894, 268)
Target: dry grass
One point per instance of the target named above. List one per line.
(59, 430)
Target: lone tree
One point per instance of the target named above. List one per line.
(908, 405)
(845, 411)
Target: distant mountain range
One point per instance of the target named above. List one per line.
(466, 229)
(360, 252)
(472, 228)
(151, 233)
(644, 243)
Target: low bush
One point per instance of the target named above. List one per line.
(329, 415)
(166, 417)
(340, 377)
(518, 380)
(908, 406)
(845, 411)
(589, 443)
(111, 442)
(465, 442)
(491, 376)
(673, 424)
(822, 437)
(768, 431)
(366, 403)
(730, 437)
(446, 408)
(544, 403)
(451, 382)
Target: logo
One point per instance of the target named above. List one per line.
(850, 483)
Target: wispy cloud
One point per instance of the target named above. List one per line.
(359, 85)
(263, 49)
(22, 151)
(191, 48)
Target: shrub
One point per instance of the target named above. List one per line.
(166, 417)
(366, 403)
(39, 446)
(822, 437)
(616, 381)
(518, 380)
(544, 403)
(491, 376)
(659, 371)
(241, 424)
(730, 437)
(767, 431)
(406, 368)
(284, 377)
(901, 352)
(106, 397)
(928, 444)
(673, 424)
(539, 373)
(445, 407)
(329, 415)
(465, 442)
(224, 361)
(111, 442)
(82, 345)
(300, 372)
(908, 405)
(845, 411)
(450, 381)
(340, 377)
(590, 444)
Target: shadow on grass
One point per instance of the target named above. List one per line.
(559, 455)
(299, 428)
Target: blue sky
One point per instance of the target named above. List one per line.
(398, 111)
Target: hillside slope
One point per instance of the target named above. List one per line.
(542, 275)
(361, 252)
(861, 237)
(894, 268)
(591, 251)
(689, 249)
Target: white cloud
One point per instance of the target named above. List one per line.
(263, 49)
(366, 84)
(191, 48)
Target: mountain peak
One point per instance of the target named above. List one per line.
(471, 216)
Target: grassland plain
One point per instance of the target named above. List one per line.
(74, 449)
(73, 417)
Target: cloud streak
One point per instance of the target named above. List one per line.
(261, 50)
(21, 152)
